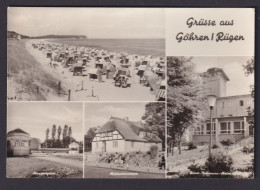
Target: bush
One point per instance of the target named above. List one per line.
(196, 168)
(215, 146)
(9, 149)
(191, 146)
(248, 149)
(154, 151)
(227, 142)
(218, 163)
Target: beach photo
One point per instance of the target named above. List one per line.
(124, 140)
(44, 140)
(85, 54)
(210, 117)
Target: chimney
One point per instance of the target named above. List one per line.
(126, 118)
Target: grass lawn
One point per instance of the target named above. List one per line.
(23, 167)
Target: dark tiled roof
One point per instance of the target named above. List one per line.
(18, 130)
(128, 129)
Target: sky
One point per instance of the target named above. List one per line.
(92, 22)
(97, 114)
(35, 117)
(232, 66)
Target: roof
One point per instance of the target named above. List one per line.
(214, 70)
(18, 130)
(128, 129)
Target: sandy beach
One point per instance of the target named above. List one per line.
(82, 88)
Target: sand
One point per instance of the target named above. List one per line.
(92, 90)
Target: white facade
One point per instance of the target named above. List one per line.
(19, 143)
(114, 142)
(74, 148)
(122, 146)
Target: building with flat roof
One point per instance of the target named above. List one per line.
(19, 142)
(230, 113)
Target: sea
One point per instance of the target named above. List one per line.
(144, 47)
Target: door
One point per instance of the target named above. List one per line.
(104, 146)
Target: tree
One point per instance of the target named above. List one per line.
(59, 132)
(53, 132)
(185, 99)
(70, 132)
(155, 119)
(89, 137)
(65, 131)
(47, 134)
(249, 69)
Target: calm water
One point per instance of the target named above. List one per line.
(154, 47)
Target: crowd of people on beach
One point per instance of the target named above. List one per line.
(99, 64)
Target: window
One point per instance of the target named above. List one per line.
(213, 128)
(239, 127)
(199, 130)
(241, 103)
(96, 144)
(225, 128)
(132, 144)
(229, 104)
(223, 105)
(17, 143)
(115, 144)
(109, 134)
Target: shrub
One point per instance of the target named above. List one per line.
(227, 142)
(196, 168)
(248, 149)
(218, 163)
(154, 151)
(9, 149)
(215, 146)
(191, 146)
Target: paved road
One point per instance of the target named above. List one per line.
(64, 161)
(96, 172)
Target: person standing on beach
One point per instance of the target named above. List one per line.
(99, 72)
(50, 62)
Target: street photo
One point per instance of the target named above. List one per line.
(210, 117)
(44, 140)
(124, 140)
(85, 54)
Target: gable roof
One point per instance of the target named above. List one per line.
(128, 129)
(18, 130)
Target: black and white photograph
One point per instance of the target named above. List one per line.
(124, 140)
(85, 54)
(44, 140)
(210, 117)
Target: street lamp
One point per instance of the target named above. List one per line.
(211, 102)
